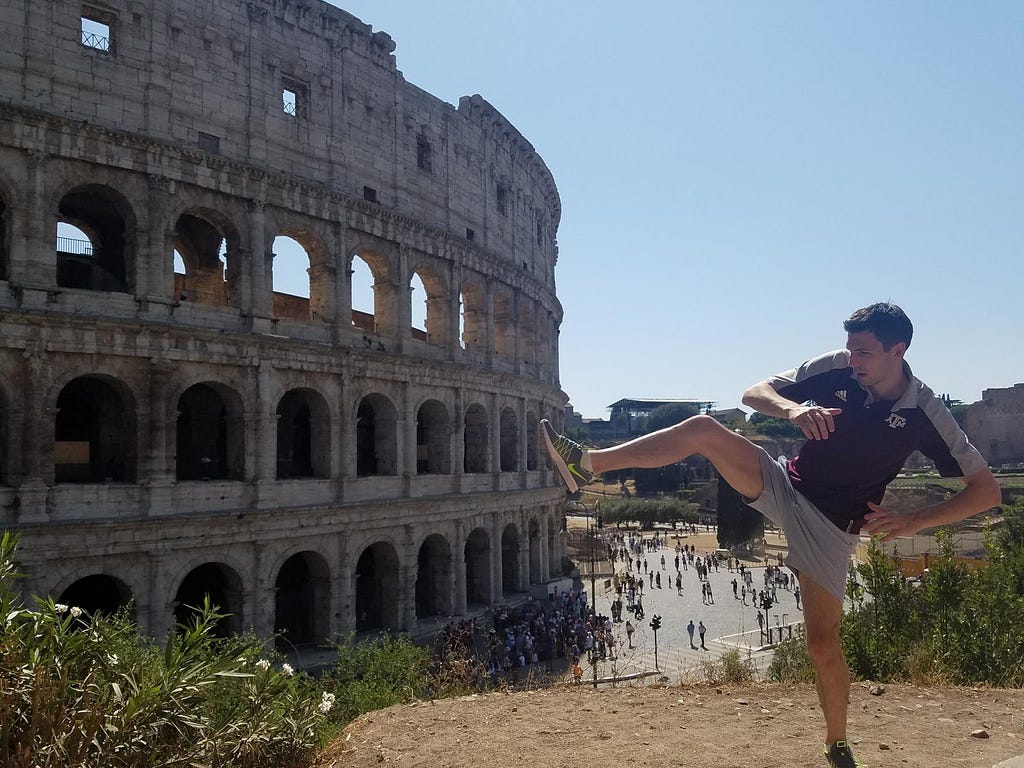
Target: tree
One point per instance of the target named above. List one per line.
(770, 426)
(670, 414)
(738, 523)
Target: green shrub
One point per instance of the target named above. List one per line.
(729, 668)
(791, 663)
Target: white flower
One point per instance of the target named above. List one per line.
(326, 703)
(263, 664)
(75, 611)
(60, 608)
(287, 669)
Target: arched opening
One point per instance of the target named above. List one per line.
(95, 240)
(510, 577)
(362, 284)
(98, 594)
(504, 327)
(94, 433)
(290, 279)
(376, 437)
(301, 601)
(428, 294)
(418, 308)
(531, 441)
(433, 439)
(477, 449)
(434, 578)
(221, 586)
(207, 257)
(478, 569)
(472, 319)
(509, 441)
(376, 588)
(303, 435)
(210, 438)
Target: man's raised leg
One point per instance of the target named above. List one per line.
(736, 458)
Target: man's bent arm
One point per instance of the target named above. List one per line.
(814, 421)
(981, 491)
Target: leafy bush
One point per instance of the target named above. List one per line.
(791, 663)
(729, 668)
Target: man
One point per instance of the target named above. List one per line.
(689, 631)
(701, 629)
(862, 413)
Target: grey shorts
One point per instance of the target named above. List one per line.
(817, 548)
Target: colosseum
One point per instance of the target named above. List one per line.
(173, 422)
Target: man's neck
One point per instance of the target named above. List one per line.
(890, 390)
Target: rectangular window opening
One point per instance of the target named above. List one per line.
(470, 234)
(97, 29)
(424, 152)
(294, 97)
(502, 200)
(370, 194)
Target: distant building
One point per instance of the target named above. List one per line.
(628, 417)
(995, 425)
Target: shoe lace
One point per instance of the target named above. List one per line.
(565, 447)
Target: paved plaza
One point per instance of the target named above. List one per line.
(730, 623)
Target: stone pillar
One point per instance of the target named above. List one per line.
(154, 466)
(458, 602)
(343, 609)
(494, 436)
(458, 439)
(490, 341)
(264, 435)
(545, 563)
(258, 301)
(407, 427)
(407, 597)
(35, 265)
(497, 581)
(342, 286)
(261, 597)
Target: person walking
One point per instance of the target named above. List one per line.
(862, 413)
(701, 630)
(689, 630)
(629, 632)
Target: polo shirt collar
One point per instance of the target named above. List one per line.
(909, 397)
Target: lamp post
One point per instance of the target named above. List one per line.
(656, 625)
(593, 582)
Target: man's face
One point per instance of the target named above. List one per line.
(872, 364)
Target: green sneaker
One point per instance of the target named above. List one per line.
(839, 755)
(566, 456)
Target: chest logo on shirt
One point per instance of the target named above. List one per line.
(895, 421)
(841, 394)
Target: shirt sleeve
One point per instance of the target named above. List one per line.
(946, 444)
(798, 384)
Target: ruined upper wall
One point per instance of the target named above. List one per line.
(210, 74)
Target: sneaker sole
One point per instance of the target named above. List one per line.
(561, 466)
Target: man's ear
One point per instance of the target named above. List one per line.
(899, 349)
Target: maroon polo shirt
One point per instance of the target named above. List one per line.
(872, 439)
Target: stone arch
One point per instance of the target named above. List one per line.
(210, 434)
(477, 554)
(435, 326)
(302, 600)
(473, 320)
(107, 261)
(477, 450)
(221, 584)
(434, 578)
(509, 440)
(303, 435)
(383, 318)
(94, 432)
(504, 325)
(376, 436)
(210, 247)
(98, 593)
(511, 578)
(377, 588)
(291, 247)
(433, 439)
(532, 436)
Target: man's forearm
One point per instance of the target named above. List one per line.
(763, 398)
(981, 493)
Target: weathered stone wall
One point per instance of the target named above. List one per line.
(996, 425)
(424, 478)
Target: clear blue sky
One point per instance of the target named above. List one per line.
(736, 178)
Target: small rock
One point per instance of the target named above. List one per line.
(876, 690)
(981, 733)
(884, 747)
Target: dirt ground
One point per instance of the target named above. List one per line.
(753, 726)
(725, 727)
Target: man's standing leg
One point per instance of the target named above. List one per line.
(822, 612)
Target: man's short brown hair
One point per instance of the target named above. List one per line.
(886, 321)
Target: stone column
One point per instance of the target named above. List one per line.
(343, 609)
(258, 301)
(458, 602)
(154, 468)
(497, 581)
(264, 435)
(407, 439)
(407, 597)
(495, 439)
